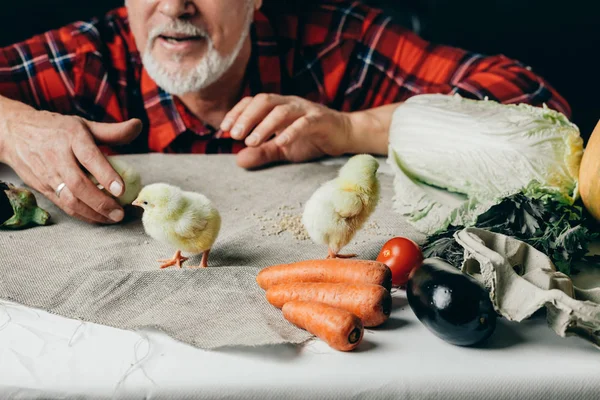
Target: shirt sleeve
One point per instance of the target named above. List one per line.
(69, 70)
(390, 63)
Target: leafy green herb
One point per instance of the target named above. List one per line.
(560, 230)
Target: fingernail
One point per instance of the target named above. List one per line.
(236, 132)
(116, 215)
(116, 188)
(226, 124)
(251, 140)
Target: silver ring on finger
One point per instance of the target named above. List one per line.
(60, 189)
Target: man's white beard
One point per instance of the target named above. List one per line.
(209, 69)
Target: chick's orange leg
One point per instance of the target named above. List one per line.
(345, 255)
(204, 262)
(333, 254)
(176, 260)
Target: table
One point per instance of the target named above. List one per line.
(47, 356)
(44, 355)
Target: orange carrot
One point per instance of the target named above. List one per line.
(338, 328)
(334, 270)
(371, 303)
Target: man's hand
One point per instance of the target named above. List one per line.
(47, 149)
(286, 128)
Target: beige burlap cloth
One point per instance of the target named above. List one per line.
(109, 274)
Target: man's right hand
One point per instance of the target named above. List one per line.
(46, 149)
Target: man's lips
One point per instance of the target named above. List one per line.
(179, 43)
(174, 38)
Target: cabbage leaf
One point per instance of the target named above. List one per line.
(454, 158)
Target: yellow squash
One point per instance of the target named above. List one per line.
(589, 174)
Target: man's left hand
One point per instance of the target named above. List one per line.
(286, 128)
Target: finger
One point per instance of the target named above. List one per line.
(253, 114)
(115, 133)
(254, 157)
(76, 208)
(277, 120)
(45, 188)
(83, 189)
(92, 159)
(234, 113)
(293, 131)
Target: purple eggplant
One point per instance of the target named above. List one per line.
(450, 303)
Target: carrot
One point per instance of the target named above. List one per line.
(371, 303)
(338, 328)
(334, 270)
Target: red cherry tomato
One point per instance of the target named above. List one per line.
(401, 255)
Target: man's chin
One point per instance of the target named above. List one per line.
(176, 62)
(177, 58)
(186, 74)
(177, 80)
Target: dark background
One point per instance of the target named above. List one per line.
(558, 39)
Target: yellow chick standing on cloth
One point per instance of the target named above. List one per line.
(341, 206)
(187, 221)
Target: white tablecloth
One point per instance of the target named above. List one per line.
(47, 356)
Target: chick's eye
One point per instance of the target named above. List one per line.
(145, 203)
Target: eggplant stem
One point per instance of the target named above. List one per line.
(40, 216)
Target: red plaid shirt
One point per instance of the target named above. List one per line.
(341, 54)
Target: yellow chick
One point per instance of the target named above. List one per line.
(131, 179)
(341, 206)
(187, 221)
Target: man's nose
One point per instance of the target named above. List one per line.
(175, 9)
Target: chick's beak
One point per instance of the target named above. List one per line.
(136, 203)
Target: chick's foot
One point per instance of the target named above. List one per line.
(204, 262)
(176, 260)
(333, 254)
